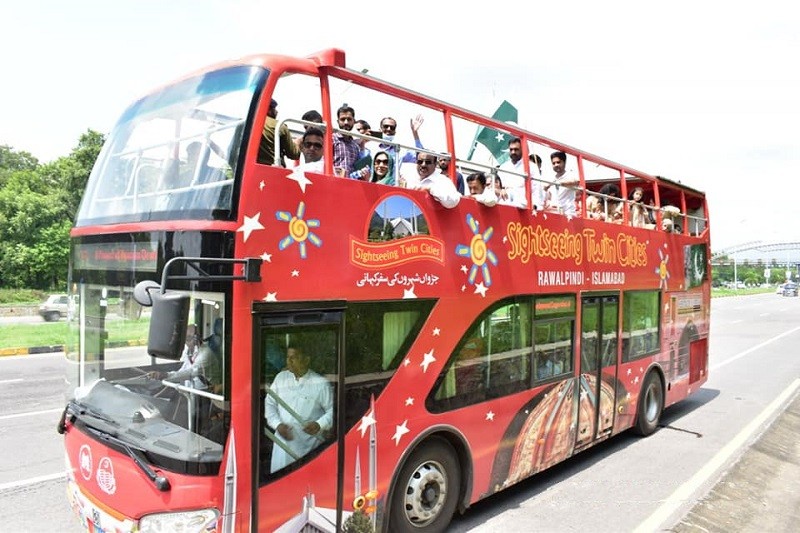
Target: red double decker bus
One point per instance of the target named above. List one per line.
(323, 351)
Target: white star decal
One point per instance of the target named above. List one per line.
(481, 289)
(636, 380)
(505, 239)
(490, 416)
(261, 185)
(463, 288)
(399, 431)
(409, 294)
(436, 332)
(409, 401)
(295, 273)
(271, 297)
(250, 225)
(267, 258)
(366, 421)
(464, 269)
(629, 371)
(406, 361)
(300, 177)
(427, 359)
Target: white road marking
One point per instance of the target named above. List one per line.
(754, 348)
(32, 413)
(655, 521)
(6, 381)
(32, 481)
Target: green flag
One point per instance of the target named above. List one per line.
(495, 141)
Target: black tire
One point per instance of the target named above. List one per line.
(651, 403)
(426, 493)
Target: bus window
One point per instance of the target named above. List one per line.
(491, 360)
(377, 338)
(554, 326)
(641, 317)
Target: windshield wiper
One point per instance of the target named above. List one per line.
(161, 482)
(74, 410)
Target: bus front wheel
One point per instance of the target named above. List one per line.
(425, 496)
(651, 403)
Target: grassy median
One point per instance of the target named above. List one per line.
(55, 333)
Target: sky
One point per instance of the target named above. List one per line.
(705, 93)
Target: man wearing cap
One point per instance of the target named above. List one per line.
(288, 146)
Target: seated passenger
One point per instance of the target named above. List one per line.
(298, 408)
(612, 203)
(476, 182)
(444, 166)
(362, 168)
(594, 208)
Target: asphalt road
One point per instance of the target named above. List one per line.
(719, 447)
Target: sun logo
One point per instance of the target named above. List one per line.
(299, 230)
(661, 270)
(478, 252)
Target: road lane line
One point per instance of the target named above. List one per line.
(682, 494)
(6, 381)
(32, 481)
(754, 348)
(32, 413)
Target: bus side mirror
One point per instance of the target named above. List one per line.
(168, 321)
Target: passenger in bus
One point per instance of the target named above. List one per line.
(444, 167)
(362, 168)
(613, 205)
(311, 145)
(266, 150)
(397, 156)
(298, 408)
(346, 148)
(437, 185)
(381, 169)
(312, 115)
(561, 192)
(515, 183)
(638, 212)
(594, 208)
(476, 182)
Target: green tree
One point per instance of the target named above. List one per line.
(38, 204)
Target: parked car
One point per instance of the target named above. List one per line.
(790, 289)
(56, 306)
(779, 289)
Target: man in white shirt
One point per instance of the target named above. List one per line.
(439, 186)
(311, 145)
(476, 182)
(514, 177)
(298, 408)
(561, 190)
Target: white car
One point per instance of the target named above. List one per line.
(55, 307)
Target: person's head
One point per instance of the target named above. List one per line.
(312, 115)
(273, 109)
(610, 189)
(362, 127)
(297, 361)
(380, 165)
(498, 182)
(637, 194)
(346, 117)
(476, 182)
(388, 128)
(559, 160)
(515, 149)
(444, 164)
(426, 164)
(667, 225)
(536, 160)
(193, 152)
(312, 144)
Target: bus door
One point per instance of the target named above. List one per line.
(598, 372)
(298, 361)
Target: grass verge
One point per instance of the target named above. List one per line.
(56, 333)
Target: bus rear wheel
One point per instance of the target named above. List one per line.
(425, 496)
(651, 403)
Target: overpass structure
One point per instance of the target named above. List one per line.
(763, 248)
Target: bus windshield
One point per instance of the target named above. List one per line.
(175, 412)
(173, 153)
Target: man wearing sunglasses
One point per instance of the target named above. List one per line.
(311, 145)
(437, 185)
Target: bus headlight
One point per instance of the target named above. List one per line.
(199, 520)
